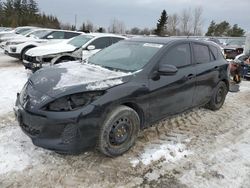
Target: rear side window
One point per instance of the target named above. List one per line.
(101, 43)
(69, 35)
(178, 56)
(201, 53)
(215, 52)
(57, 35)
(116, 39)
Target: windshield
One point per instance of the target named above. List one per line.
(80, 40)
(22, 31)
(236, 42)
(126, 56)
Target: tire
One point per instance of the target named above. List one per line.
(23, 52)
(119, 131)
(218, 97)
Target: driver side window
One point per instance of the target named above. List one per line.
(179, 55)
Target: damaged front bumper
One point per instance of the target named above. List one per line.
(63, 132)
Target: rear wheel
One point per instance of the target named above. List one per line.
(218, 97)
(119, 131)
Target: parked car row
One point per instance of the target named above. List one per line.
(37, 47)
(80, 47)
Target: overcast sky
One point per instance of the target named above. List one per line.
(145, 13)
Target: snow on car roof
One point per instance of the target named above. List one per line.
(104, 35)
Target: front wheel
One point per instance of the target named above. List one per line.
(218, 97)
(22, 55)
(119, 131)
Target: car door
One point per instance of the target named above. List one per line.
(208, 72)
(172, 94)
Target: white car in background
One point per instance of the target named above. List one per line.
(19, 31)
(5, 29)
(18, 47)
(80, 47)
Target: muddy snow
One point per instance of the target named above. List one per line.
(199, 148)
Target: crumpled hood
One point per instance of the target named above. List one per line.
(50, 49)
(75, 77)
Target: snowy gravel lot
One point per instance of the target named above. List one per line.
(199, 148)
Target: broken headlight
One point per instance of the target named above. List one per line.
(73, 102)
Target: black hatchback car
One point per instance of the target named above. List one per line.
(124, 88)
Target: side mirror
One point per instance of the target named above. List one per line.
(50, 37)
(91, 47)
(166, 69)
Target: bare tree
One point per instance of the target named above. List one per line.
(89, 26)
(117, 26)
(66, 26)
(197, 21)
(173, 21)
(186, 21)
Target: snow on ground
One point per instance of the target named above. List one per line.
(12, 81)
(168, 152)
(17, 150)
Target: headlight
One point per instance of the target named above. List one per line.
(73, 102)
(39, 59)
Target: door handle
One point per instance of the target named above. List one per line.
(216, 67)
(190, 76)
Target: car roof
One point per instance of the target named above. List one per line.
(104, 35)
(165, 40)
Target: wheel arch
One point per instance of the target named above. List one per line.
(138, 110)
(25, 48)
(63, 57)
(226, 82)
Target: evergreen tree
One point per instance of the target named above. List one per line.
(222, 29)
(236, 31)
(161, 28)
(24, 12)
(211, 29)
(1, 13)
(33, 7)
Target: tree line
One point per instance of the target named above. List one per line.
(188, 22)
(224, 29)
(14, 13)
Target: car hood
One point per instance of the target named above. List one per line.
(12, 36)
(73, 77)
(27, 39)
(50, 49)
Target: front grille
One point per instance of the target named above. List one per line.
(30, 59)
(30, 130)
